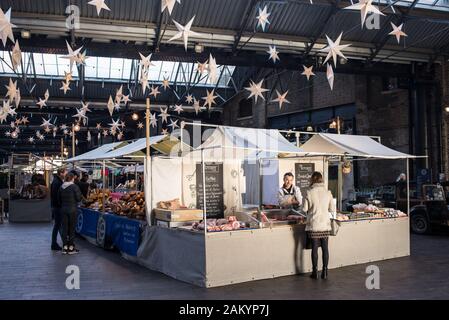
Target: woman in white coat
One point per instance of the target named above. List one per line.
(317, 204)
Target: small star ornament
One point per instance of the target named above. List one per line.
(16, 56)
(154, 91)
(274, 54)
(65, 86)
(178, 109)
(210, 98)
(189, 99)
(31, 139)
(173, 124)
(153, 120)
(47, 95)
(12, 89)
(201, 67)
(72, 55)
(42, 103)
(196, 105)
(169, 5)
(308, 72)
(140, 125)
(281, 99)
(165, 84)
(397, 32)
(164, 115)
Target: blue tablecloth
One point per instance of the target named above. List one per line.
(121, 232)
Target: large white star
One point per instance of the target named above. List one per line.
(256, 90)
(72, 55)
(6, 26)
(397, 31)
(334, 49)
(281, 99)
(210, 98)
(263, 18)
(365, 7)
(100, 5)
(184, 32)
(274, 54)
(145, 62)
(169, 5)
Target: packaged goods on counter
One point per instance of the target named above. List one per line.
(216, 225)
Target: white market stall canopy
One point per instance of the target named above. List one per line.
(96, 153)
(161, 143)
(351, 145)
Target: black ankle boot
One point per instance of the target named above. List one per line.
(324, 273)
(314, 274)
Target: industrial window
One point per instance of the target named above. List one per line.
(245, 108)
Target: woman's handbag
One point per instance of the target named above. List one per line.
(335, 226)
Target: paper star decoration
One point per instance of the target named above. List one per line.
(281, 99)
(65, 86)
(144, 81)
(164, 115)
(165, 84)
(154, 91)
(184, 32)
(365, 7)
(80, 114)
(111, 106)
(98, 126)
(274, 54)
(100, 5)
(189, 99)
(330, 76)
(169, 5)
(12, 112)
(115, 125)
(212, 69)
(8, 133)
(196, 105)
(119, 95)
(256, 90)
(122, 124)
(126, 99)
(120, 136)
(47, 95)
(308, 72)
(105, 133)
(6, 26)
(46, 123)
(16, 55)
(140, 125)
(153, 120)
(72, 55)
(178, 108)
(173, 124)
(85, 107)
(334, 49)
(24, 120)
(397, 31)
(31, 139)
(63, 127)
(82, 58)
(210, 98)
(262, 18)
(12, 89)
(201, 67)
(145, 62)
(164, 132)
(41, 103)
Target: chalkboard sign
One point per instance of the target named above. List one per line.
(303, 173)
(214, 189)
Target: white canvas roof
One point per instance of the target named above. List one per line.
(351, 145)
(132, 148)
(96, 153)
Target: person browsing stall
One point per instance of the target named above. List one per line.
(289, 195)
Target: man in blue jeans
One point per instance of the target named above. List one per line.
(56, 184)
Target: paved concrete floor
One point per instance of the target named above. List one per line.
(29, 270)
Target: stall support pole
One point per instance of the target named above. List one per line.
(73, 140)
(203, 169)
(408, 187)
(259, 162)
(148, 154)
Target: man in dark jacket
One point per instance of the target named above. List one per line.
(69, 197)
(84, 185)
(56, 184)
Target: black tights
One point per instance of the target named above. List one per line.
(324, 248)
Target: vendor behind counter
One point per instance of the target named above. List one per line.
(289, 195)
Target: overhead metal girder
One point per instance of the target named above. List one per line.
(246, 15)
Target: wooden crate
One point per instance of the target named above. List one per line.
(180, 215)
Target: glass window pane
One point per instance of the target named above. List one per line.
(116, 68)
(38, 64)
(103, 68)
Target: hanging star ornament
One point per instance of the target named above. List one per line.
(165, 84)
(47, 129)
(164, 132)
(119, 95)
(256, 90)
(178, 109)
(105, 133)
(16, 56)
(397, 32)
(196, 105)
(6, 26)
(17, 97)
(334, 49)
(115, 125)
(24, 120)
(140, 125)
(274, 54)
(153, 120)
(99, 4)
(164, 115)
(12, 89)
(144, 82)
(169, 5)
(98, 126)
(210, 98)
(365, 7)
(201, 67)
(120, 136)
(262, 18)
(47, 95)
(80, 114)
(330, 76)
(68, 76)
(173, 124)
(145, 62)
(72, 55)
(85, 107)
(126, 99)
(65, 86)
(212, 69)
(111, 105)
(42, 103)
(184, 32)
(46, 123)
(82, 58)
(189, 98)
(281, 99)
(154, 91)
(308, 72)
(31, 139)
